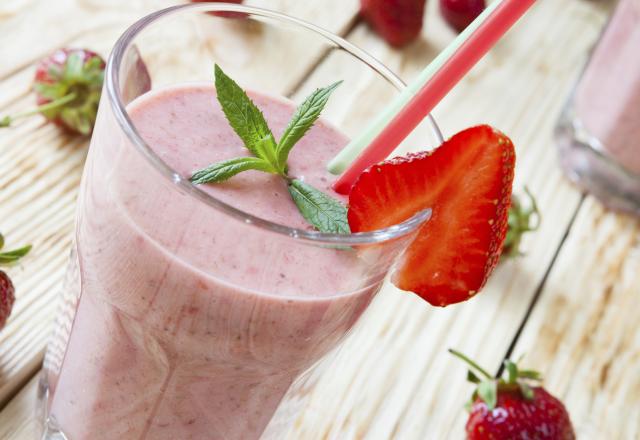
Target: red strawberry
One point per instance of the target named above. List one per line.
(467, 184)
(505, 409)
(223, 14)
(397, 21)
(68, 84)
(6, 298)
(7, 290)
(460, 13)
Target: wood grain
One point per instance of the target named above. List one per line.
(392, 378)
(395, 379)
(583, 334)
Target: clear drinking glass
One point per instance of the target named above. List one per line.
(599, 128)
(155, 339)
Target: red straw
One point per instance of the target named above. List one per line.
(471, 51)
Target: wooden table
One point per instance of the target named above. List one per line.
(571, 304)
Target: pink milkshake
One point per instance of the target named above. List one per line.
(203, 311)
(192, 324)
(601, 126)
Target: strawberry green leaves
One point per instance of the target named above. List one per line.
(488, 391)
(319, 209)
(68, 85)
(13, 256)
(322, 211)
(489, 387)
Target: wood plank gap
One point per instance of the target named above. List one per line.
(540, 288)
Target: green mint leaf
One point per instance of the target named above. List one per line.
(221, 171)
(302, 120)
(1, 241)
(14, 255)
(244, 117)
(488, 392)
(324, 212)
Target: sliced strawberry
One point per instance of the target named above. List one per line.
(467, 183)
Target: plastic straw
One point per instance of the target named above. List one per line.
(339, 163)
(496, 24)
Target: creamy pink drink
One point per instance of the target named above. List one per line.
(608, 97)
(192, 324)
(599, 130)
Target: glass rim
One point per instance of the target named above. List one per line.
(112, 83)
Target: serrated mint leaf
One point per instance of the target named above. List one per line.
(325, 213)
(302, 120)
(14, 255)
(221, 171)
(488, 392)
(244, 117)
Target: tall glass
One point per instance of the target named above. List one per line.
(173, 327)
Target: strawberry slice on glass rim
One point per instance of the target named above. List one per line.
(467, 182)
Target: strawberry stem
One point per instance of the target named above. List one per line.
(471, 363)
(7, 120)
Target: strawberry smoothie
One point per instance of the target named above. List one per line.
(608, 96)
(598, 129)
(192, 324)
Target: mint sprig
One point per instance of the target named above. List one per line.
(322, 211)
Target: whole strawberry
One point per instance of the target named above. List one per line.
(397, 21)
(68, 84)
(514, 408)
(7, 291)
(460, 13)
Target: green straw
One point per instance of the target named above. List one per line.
(348, 154)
